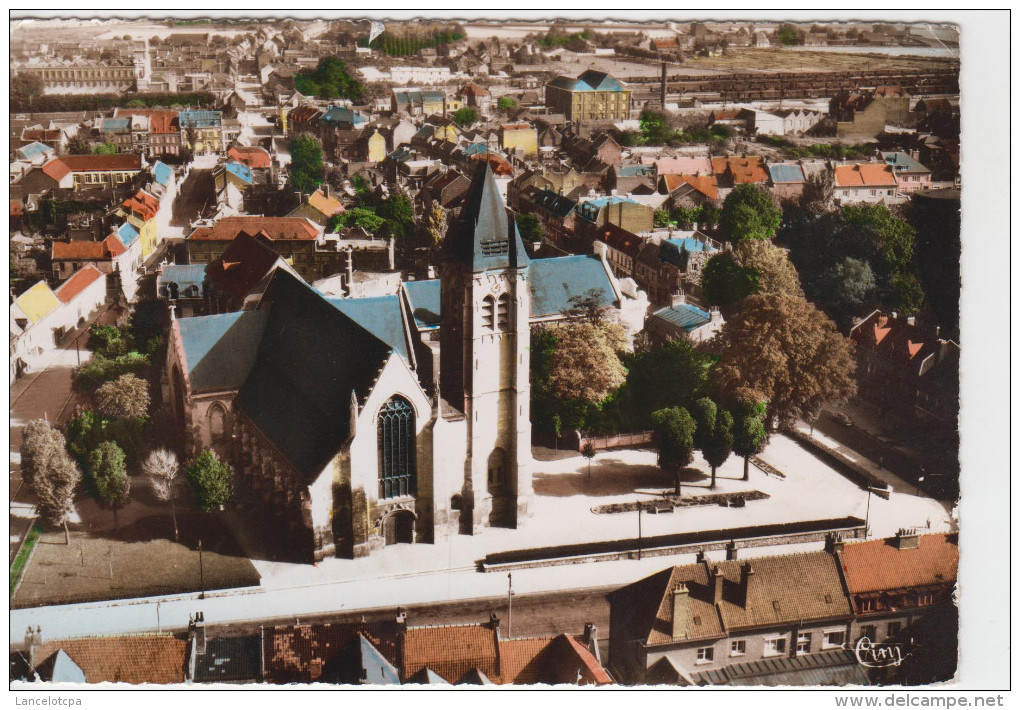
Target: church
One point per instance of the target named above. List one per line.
(352, 424)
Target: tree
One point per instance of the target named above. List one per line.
(210, 480)
(435, 223)
(530, 227)
(49, 472)
(591, 306)
(749, 212)
(818, 192)
(306, 171)
(127, 397)
(162, 468)
(704, 412)
(788, 35)
(364, 217)
(675, 428)
(897, 236)
(776, 274)
(789, 354)
(108, 477)
(78, 146)
(465, 116)
(24, 89)
(398, 211)
(588, 451)
(846, 287)
(719, 445)
(749, 433)
(108, 148)
(585, 365)
(673, 375)
(724, 281)
(506, 103)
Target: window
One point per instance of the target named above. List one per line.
(868, 631)
(803, 644)
(775, 646)
(488, 312)
(738, 648)
(706, 654)
(396, 437)
(893, 628)
(503, 312)
(834, 639)
(497, 462)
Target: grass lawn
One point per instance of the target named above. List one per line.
(18, 566)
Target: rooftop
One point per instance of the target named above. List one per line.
(283, 228)
(683, 316)
(878, 565)
(79, 281)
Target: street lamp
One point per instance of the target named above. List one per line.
(510, 604)
(201, 572)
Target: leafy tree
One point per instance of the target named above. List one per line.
(210, 480)
(364, 217)
(91, 375)
(590, 306)
(847, 287)
(818, 193)
(127, 397)
(108, 148)
(655, 127)
(661, 218)
(905, 293)
(724, 281)
(135, 103)
(109, 341)
(162, 468)
(108, 477)
(719, 445)
(78, 146)
(24, 89)
(306, 171)
(749, 433)
(84, 433)
(506, 103)
(675, 428)
(788, 353)
(897, 236)
(588, 451)
(673, 375)
(585, 365)
(398, 211)
(329, 77)
(465, 116)
(704, 411)
(435, 223)
(775, 272)
(788, 35)
(530, 227)
(49, 472)
(749, 212)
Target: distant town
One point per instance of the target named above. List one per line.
(439, 353)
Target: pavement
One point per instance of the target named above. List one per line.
(561, 512)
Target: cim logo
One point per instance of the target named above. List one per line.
(877, 655)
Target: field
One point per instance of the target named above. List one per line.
(777, 59)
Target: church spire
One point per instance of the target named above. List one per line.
(486, 236)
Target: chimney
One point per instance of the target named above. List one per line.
(746, 579)
(348, 270)
(591, 640)
(401, 617)
(493, 620)
(894, 315)
(717, 584)
(678, 299)
(662, 90)
(907, 539)
(715, 315)
(700, 557)
(731, 550)
(33, 639)
(833, 543)
(325, 190)
(681, 628)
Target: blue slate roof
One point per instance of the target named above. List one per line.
(400, 155)
(786, 173)
(188, 277)
(675, 251)
(590, 210)
(380, 316)
(200, 118)
(127, 234)
(426, 299)
(162, 173)
(903, 163)
(220, 350)
(590, 80)
(486, 236)
(554, 281)
(557, 205)
(635, 170)
(33, 150)
(343, 116)
(475, 149)
(115, 125)
(683, 316)
(311, 359)
(240, 170)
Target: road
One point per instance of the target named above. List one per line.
(195, 194)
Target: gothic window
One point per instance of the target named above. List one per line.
(503, 312)
(396, 437)
(488, 312)
(217, 422)
(497, 464)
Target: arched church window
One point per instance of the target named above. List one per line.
(503, 312)
(396, 437)
(497, 464)
(217, 422)
(488, 312)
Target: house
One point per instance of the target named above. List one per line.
(786, 180)
(417, 102)
(35, 328)
(707, 623)
(689, 191)
(163, 126)
(449, 189)
(153, 658)
(477, 97)
(738, 170)
(201, 130)
(629, 215)
(35, 153)
(866, 114)
(555, 212)
(303, 119)
(86, 172)
(307, 390)
(592, 95)
(731, 118)
(631, 179)
(140, 211)
(683, 321)
(910, 175)
(254, 157)
(319, 207)
(183, 286)
(519, 136)
(343, 118)
(864, 182)
(238, 278)
(68, 257)
(680, 260)
(680, 165)
(906, 368)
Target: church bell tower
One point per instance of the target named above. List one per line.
(484, 355)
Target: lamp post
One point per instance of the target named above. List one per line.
(201, 572)
(639, 545)
(510, 604)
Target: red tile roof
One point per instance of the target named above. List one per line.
(725, 114)
(568, 656)
(877, 565)
(894, 339)
(275, 228)
(40, 134)
(79, 281)
(160, 120)
(474, 90)
(252, 156)
(125, 659)
(743, 170)
(88, 251)
(865, 174)
(520, 660)
(17, 209)
(56, 169)
(102, 163)
(143, 203)
(705, 184)
(451, 651)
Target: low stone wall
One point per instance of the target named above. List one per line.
(575, 440)
(843, 465)
(728, 500)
